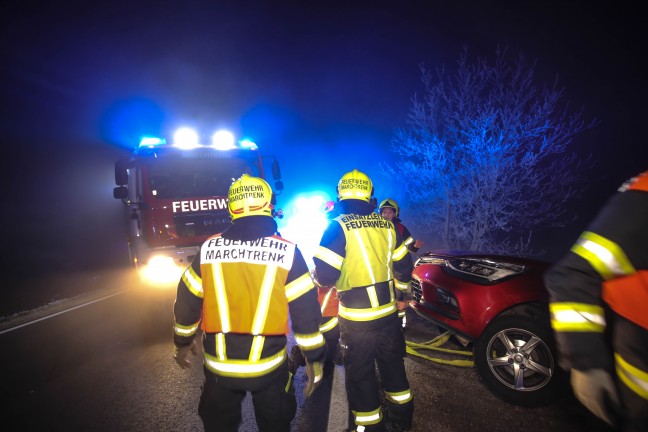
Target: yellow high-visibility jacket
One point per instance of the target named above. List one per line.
(241, 293)
(366, 259)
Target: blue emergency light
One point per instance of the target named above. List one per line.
(186, 138)
(246, 143)
(151, 142)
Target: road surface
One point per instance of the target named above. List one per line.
(102, 362)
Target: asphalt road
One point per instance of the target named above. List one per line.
(102, 362)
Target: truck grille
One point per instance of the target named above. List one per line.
(201, 224)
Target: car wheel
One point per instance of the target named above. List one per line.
(515, 358)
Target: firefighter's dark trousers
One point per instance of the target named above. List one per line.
(383, 347)
(273, 397)
(631, 343)
(331, 340)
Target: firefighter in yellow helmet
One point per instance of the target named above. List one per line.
(364, 256)
(599, 310)
(240, 290)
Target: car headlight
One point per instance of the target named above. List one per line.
(482, 270)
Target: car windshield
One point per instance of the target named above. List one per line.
(171, 178)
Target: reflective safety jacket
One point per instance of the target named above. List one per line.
(408, 240)
(364, 257)
(240, 290)
(603, 282)
(329, 305)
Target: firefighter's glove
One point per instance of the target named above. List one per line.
(180, 354)
(314, 372)
(595, 389)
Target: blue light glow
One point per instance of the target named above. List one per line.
(151, 142)
(246, 143)
(304, 222)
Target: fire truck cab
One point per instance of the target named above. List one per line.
(175, 196)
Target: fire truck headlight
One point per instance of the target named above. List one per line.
(223, 140)
(161, 270)
(185, 138)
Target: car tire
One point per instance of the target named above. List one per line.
(524, 377)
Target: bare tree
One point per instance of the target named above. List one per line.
(484, 158)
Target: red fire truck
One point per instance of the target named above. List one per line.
(175, 196)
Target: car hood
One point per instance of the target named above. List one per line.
(454, 253)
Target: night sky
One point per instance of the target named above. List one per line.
(325, 81)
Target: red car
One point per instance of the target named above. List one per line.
(499, 305)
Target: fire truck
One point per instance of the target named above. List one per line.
(175, 196)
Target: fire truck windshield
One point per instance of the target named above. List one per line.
(171, 178)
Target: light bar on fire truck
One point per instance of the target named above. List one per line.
(186, 138)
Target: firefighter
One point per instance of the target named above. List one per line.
(390, 211)
(599, 308)
(363, 255)
(240, 290)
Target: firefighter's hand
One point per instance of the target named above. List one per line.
(180, 354)
(595, 389)
(403, 302)
(314, 372)
(418, 244)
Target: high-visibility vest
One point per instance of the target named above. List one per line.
(361, 269)
(628, 296)
(328, 301)
(244, 285)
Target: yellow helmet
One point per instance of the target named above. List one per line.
(389, 203)
(249, 196)
(355, 185)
